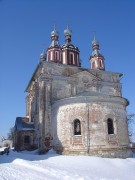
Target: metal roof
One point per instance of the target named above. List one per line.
(23, 124)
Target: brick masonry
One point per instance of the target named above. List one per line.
(58, 94)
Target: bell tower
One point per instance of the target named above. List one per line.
(70, 53)
(96, 59)
(54, 53)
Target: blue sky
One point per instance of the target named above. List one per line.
(25, 27)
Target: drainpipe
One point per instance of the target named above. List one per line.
(88, 134)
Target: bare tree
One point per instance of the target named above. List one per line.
(11, 134)
(131, 126)
(2, 138)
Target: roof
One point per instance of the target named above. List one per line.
(22, 123)
(86, 71)
(91, 71)
(105, 72)
(69, 45)
(32, 78)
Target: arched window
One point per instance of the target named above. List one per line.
(77, 127)
(56, 55)
(51, 55)
(71, 58)
(100, 63)
(110, 126)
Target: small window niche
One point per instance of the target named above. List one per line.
(77, 127)
(110, 126)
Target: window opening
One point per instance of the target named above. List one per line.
(71, 58)
(100, 63)
(110, 126)
(56, 55)
(77, 127)
(26, 139)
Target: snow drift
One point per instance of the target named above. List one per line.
(30, 166)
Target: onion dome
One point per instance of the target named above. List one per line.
(95, 42)
(43, 56)
(67, 32)
(54, 38)
(54, 33)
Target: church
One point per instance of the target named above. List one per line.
(71, 109)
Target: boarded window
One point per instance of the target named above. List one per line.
(110, 126)
(27, 139)
(77, 127)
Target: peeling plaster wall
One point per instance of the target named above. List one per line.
(93, 117)
(71, 93)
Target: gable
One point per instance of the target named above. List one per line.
(86, 77)
(86, 74)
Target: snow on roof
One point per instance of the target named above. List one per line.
(23, 124)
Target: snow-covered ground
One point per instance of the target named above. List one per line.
(2, 149)
(31, 166)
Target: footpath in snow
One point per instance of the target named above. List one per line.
(31, 166)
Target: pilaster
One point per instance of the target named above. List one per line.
(44, 114)
(41, 115)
